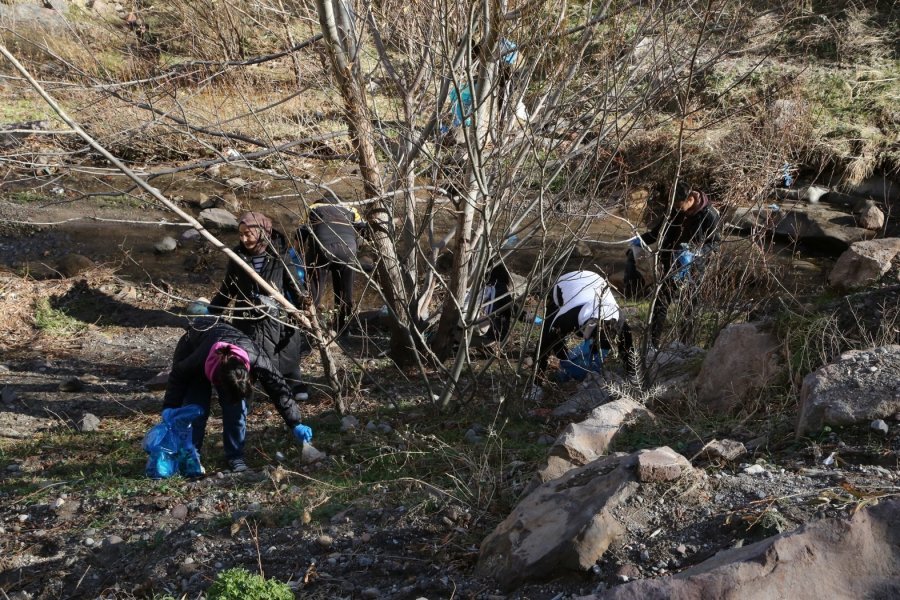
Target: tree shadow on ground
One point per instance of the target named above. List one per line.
(89, 305)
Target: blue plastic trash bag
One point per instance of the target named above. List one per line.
(509, 52)
(198, 308)
(581, 361)
(298, 265)
(461, 105)
(683, 263)
(170, 444)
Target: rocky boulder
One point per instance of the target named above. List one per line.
(72, 265)
(869, 216)
(590, 439)
(565, 524)
(830, 558)
(743, 360)
(861, 386)
(864, 263)
(217, 218)
(820, 226)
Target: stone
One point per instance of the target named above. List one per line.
(71, 385)
(582, 250)
(744, 359)
(855, 557)
(880, 426)
(471, 437)
(325, 541)
(236, 182)
(755, 470)
(218, 218)
(661, 464)
(582, 402)
(113, 540)
(846, 391)
(813, 193)
(729, 450)
(583, 442)
(371, 593)
(820, 226)
(864, 263)
(167, 244)
(564, 524)
(88, 423)
(190, 235)
(179, 511)
(869, 216)
(8, 395)
(310, 454)
(72, 265)
(349, 423)
(158, 382)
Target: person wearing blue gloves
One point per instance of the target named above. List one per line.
(214, 354)
(582, 302)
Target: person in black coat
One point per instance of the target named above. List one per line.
(254, 313)
(215, 354)
(330, 238)
(693, 224)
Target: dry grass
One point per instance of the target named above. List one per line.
(24, 309)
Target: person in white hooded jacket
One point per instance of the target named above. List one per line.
(582, 302)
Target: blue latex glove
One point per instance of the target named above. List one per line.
(303, 433)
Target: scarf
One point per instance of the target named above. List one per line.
(215, 358)
(261, 222)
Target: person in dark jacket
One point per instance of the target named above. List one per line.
(692, 225)
(497, 304)
(330, 238)
(254, 313)
(215, 354)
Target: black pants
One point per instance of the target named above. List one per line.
(341, 282)
(557, 327)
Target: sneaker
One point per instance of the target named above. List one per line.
(237, 465)
(301, 393)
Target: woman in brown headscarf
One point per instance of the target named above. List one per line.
(254, 313)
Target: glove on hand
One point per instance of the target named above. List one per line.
(303, 433)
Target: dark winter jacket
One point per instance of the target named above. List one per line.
(190, 357)
(697, 228)
(333, 228)
(239, 288)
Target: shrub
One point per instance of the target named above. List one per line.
(240, 584)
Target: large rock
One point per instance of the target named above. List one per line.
(566, 523)
(661, 464)
(831, 558)
(820, 226)
(864, 263)
(72, 265)
(590, 439)
(583, 401)
(869, 216)
(861, 386)
(218, 218)
(743, 360)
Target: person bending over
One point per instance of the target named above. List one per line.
(254, 313)
(216, 355)
(581, 302)
(330, 239)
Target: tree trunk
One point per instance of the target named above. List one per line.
(378, 215)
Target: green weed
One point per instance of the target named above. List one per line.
(55, 322)
(240, 584)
